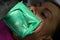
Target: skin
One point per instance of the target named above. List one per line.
(49, 21)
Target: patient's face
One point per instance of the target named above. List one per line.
(49, 14)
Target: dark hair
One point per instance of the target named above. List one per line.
(56, 34)
(5, 6)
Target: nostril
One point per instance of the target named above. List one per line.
(32, 10)
(43, 15)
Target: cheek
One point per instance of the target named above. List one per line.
(47, 28)
(45, 31)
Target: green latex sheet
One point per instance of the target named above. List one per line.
(21, 20)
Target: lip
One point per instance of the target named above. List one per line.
(40, 27)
